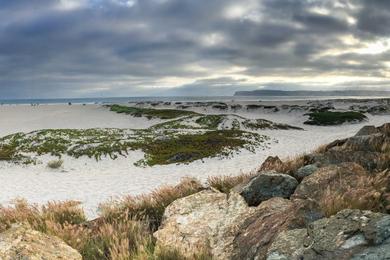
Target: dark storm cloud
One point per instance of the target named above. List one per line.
(116, 47)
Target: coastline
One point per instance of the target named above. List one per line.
(94, 182)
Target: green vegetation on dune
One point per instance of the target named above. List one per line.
(160, 147)
(150, 113)
(334, 118)
(222, 122)
(187, 137)
(190, 147)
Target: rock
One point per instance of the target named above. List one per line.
(367, 130)
(370, 147)
(271, 163)
(351, 234)
(335, 187)
(21, 242)
(369, 160)
(330, 179)
(305, 171)
(288, 245)
(272, 217)
(265, 186)
(207, 220)
(224, 226)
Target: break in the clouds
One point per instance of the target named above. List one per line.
(79, 48)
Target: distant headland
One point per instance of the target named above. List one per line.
(265, 92)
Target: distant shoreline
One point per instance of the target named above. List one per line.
(309, 93)
(125, 100)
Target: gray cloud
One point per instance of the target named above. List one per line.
(53, 48)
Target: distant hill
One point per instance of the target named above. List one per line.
(263, 92)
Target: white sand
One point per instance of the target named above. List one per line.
(94, 182)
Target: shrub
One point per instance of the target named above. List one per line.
(7, 152)
(55, 164)
(334, 118)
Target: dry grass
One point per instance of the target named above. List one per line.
(226, 183)
(150, 207)
(63, 213)
(291, 165)
(103, 239)
(364, 195)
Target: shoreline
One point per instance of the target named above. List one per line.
(94, 182)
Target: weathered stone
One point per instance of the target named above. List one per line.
(305, 171)
(370, 148)
(288, 245)
(335, 178)
(207, 220)
(272, 217)
(265, 186)
(349, 234)
(21, 242)
(271, 163)
(224, 226)
(367, 130)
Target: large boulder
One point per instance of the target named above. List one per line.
(351, 234)
(21, 242)
(265, 186)
(224, 226)
(206, 221)
(272, 217)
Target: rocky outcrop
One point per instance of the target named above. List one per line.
(370, 148)
(272, 217)
(206, 221)
(367, 130)
(265, 186)
(226, 227)
(21, 242)
(351, 234)
(331, 179)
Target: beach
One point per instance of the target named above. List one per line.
(93, 182)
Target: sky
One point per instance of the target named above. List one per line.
(100, 48)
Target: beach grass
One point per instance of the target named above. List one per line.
(124, 229)
(334, 118)
(160, 147)
(150, 113)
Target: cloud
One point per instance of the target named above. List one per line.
(56, 48)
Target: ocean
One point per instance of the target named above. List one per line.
(123, 100)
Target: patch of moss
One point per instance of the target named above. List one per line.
(150, 113)
(334, 118)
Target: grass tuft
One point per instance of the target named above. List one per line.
(150, 207)
(226, 183)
